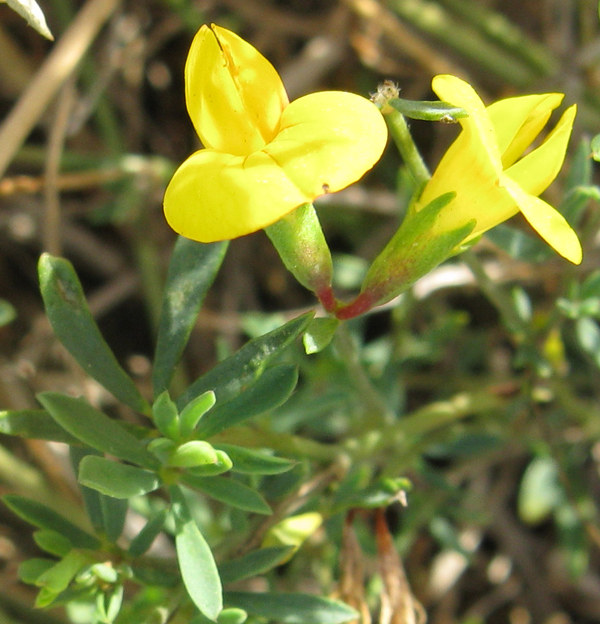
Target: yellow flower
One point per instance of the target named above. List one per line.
(263, 157)
(482, 165)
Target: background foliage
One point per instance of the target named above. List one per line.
(480, 385)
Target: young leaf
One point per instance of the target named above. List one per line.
(193, 453)
(75, 327)
(254, 462)
(271, 390)
(116, 480)
(229, 491)
(52, 542)
(319, 334)
(231, 376)
(57, 578)
(254, 563)
(165, 416)
(143, 540)
(191, 272)
(196, 561)
(34, 424)
(45, 518)
(96, 429)
(193, 412)
(292, 608)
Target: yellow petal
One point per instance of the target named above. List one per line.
(477, 127)
(234, 95)
(328, 140)
(215, 196)
(535, 172)
(518, 120)
(547, 222)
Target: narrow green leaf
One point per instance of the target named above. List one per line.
(191, 272)
(319, 334)
(192, 413)
(143, 540)
(196, 561)
(428, 111)
(254, 563)
(45, 518)
(75, 327)
(34, 424)
(32, 569)
(52, 542)
(292, 608)
(255, 462)
(231, 376)
(91, 498)
(116, 480)
(96, 429)
(271, 390)
(229, 491)
(166, 416)
(114, 514)
(57, 578)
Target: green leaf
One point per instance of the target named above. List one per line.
(428, 111)
(595, 145)
(114, 479)
(30, 11)
(96, 429)
(57, 578)
(7, 313)
(518, 244)
(193, 412)
(271, 390)
(319, 334)
(254, 563)
(229, 491)
(231, 376)
(91, 498)
(75, 327)
(52, 542)
(292, 608)
(45, 518)
(255, 462)
(114, 513)
(166, 416)
(540, 492)
(34, 425)
(32, 569)
(144, 539)
(196, 561)
(193, 453)
(192, 270)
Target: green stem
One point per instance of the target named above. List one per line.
(378, 414)
(406, 146)
(495, 293)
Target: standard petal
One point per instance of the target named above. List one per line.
(233, 94)
(215, 196)
(328, 140)
(477, 127)
(518, 120)
(536, 171)
(547, 222)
